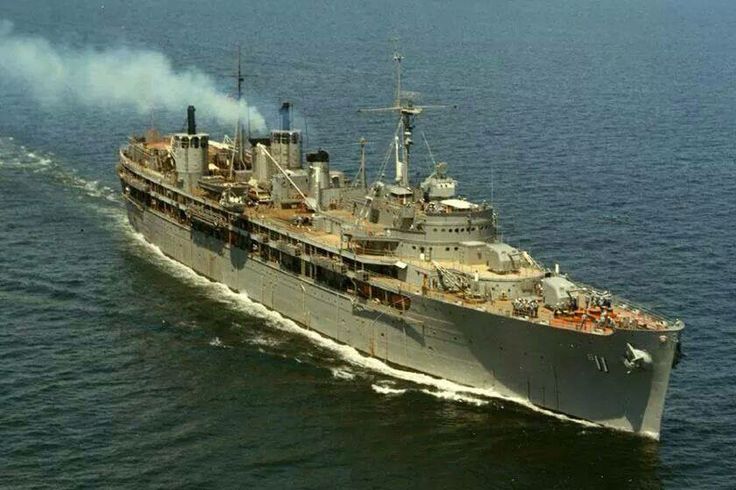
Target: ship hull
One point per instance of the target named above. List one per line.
(566, 371)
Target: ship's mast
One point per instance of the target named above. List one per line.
(407, 124)
(397, 58)
(407, 113)
(361, 173)
(240, 75)
(402, 165)
(239, 146)
(241, 79)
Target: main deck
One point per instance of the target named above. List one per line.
(289, 232)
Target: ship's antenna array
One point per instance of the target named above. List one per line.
(397, 59)
(242, 94)
(382, 169)
(407, 115)
(238, 140)
(360, 179)
(240, 74)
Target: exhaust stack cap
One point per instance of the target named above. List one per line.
(285, 113)
(191, 124)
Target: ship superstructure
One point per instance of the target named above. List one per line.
(409, 273)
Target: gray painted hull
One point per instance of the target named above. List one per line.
(578, 374)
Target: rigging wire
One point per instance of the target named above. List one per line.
(382, 170)
(429, 149)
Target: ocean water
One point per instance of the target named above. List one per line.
(604, 132)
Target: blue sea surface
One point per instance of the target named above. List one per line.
(603, 131)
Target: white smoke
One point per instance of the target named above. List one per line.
(139, 79)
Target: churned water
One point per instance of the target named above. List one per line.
(604, 132)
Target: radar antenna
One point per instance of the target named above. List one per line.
(361, 180)
(407, 114)
(239, 141)
(397, 58)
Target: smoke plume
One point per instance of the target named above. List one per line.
(138, 79)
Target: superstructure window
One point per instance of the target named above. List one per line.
(195, 142)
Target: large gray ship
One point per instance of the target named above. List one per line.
(406, 272)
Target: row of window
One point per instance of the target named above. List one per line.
(421, 249)
(284, 137)
(196, 141)
(462, 230)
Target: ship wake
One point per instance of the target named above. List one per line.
(15, 157)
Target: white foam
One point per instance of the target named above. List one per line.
(216, 342)
(263, 341)
(35, 162)
(387, 390)
(651, 435)
(342, 373)
(93, 188)
(456, 396)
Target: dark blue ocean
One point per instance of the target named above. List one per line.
(604, 132)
